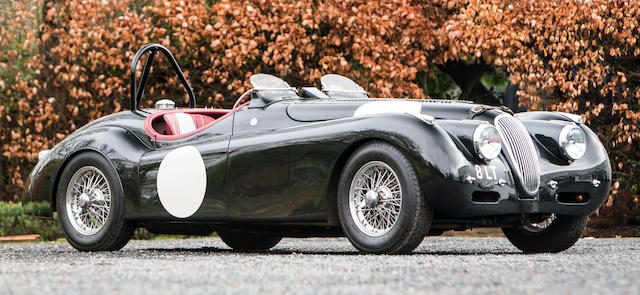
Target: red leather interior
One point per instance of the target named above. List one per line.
(201, 120)
(165, 125)
(171, 124)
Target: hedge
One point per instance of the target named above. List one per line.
(16, 219)
(19, 219)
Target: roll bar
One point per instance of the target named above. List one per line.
(137, 92)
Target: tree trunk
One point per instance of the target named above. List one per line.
(511, 99)
(468, 78)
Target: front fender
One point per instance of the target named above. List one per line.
(429, 147)
(448, 172)
(117, 144)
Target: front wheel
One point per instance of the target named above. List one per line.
(90, 205)
(380, 202)
(547, 234)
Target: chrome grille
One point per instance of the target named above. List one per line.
(520, 151)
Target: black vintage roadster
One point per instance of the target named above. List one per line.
(331, 162)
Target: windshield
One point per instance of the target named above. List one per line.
(336, 86)
(271, 88)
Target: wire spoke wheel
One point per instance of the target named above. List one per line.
(380, 204)
(375, 198)
(88, 200)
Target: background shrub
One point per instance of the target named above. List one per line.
(65, 63)
(17, 220)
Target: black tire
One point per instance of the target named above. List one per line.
(116, 231)
(415, 215)
(241, 241)
(561, 234)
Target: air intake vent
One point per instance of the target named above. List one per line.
(520, 151)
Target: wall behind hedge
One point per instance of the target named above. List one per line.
(70, 65)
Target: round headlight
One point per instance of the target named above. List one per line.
(486, 141)
(573, 141)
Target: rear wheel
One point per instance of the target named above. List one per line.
(547, 234)
(90, 204)
(380, 203)
(241, 241)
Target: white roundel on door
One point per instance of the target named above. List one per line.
(182, 181)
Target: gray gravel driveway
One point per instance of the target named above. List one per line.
(441, 265)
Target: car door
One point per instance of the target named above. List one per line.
(276, 172)
(211, 144)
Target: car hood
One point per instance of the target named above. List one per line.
(322, 110)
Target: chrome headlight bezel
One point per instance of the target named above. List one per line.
(572, 150)
(484, 142)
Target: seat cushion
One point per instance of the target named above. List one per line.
(176, 124)
(179, 123)
(201, 120)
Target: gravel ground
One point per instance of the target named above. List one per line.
(442, 265)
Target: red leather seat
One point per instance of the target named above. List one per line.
(182, 123)
(201, 120)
